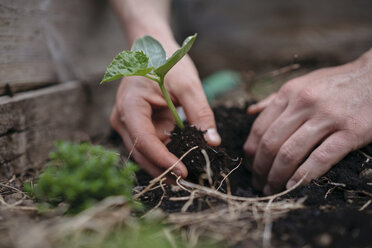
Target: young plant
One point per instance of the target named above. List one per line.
(81, 175)
(147, 58)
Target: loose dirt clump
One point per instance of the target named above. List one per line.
(204, 162)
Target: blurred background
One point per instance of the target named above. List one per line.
(53, 54)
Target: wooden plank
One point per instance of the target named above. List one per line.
(252, 34)
(49, 41)
(31, 122)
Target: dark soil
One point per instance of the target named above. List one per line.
(332, 217)
(312, 227)
(220, 162)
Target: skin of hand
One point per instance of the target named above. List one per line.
(141, 115)
(310, 124)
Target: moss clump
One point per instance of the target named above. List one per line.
(82, 174)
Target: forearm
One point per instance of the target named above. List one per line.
(146, 17)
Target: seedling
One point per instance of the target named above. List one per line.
(147, 58)
(81, 175)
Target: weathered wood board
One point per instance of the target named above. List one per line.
(252, 34)
(31, 122)
(49, 41)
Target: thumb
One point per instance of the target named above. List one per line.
(199, 113)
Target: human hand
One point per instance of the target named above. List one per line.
(311, 124)
(142, 117)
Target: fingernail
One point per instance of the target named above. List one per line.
(212, 137)
(290, 184)
(267, 190)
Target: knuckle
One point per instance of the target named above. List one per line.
(126, 102)
(140, 141)
(258, 129)
(186, 85)
(321, 156)
(280, 100)
(356, 125)
(183, 86)
(352, 124)
(286, 89)
(287, 154)
(346, 141)
(204, 114)
(352, 140)
(267, 145)
(122, 100)
(327, 113)
(249, 149)
(306, 97)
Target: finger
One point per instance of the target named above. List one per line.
(331, 151)
(130, 145)
(140, 127)
(261, 105)
(261, 124)
(199, 113)
(283, 127)
(164, 123)
(293, 152)
(144, 163)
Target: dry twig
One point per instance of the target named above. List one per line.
(212, 192)
(208, 167)
(131, 151)
(365, 155)
(228, 174)
(157, 179)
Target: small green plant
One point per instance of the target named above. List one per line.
(147, 58)
(80, 175)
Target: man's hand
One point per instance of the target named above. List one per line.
(143, 119)
(141, 115)
(310, 125)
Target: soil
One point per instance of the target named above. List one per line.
(337, 213)
(220, 162)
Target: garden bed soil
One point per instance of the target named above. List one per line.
(338, 208)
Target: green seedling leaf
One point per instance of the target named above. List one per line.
(147, 58)
(177, 56)
(127, 63)
(152, 48)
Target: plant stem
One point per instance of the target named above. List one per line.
(153, 77)
(170, 104)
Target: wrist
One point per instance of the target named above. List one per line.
(146, 17)
(157, 28)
